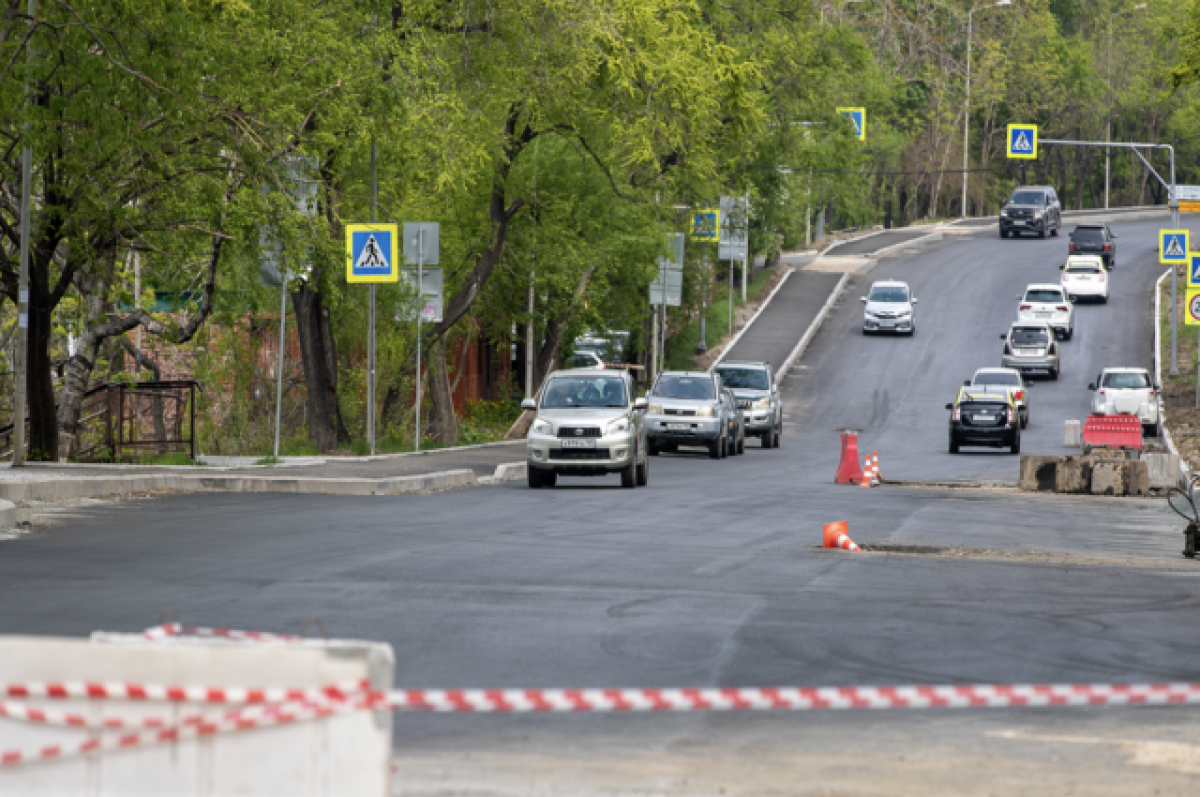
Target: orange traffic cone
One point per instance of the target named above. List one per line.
(834, 535)
(876, 479)
(866, 479)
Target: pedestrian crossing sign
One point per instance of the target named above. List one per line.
(1022, 142)
(706, 225)
(858, 118)
(1193, 277)
(1173, 246)
(371, 253)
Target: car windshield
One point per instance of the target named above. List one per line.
(888, 294)
(1028, 198)
(584, 391)
(1087, 235)
(1083, 268)
(1027, 336)
(744, 378)
(685, 387)
(997, 378)
(1043, 295)
(1132, 381)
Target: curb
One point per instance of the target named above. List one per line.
(1184, 473)
(753, 318)
(101, 486)
(811, 332)
(8, 514)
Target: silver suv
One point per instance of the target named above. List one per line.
(890, 307)
(753, 385)
(1031, 346)
(588, 423)
(685, 409)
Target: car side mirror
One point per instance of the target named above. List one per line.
(640, 403)
(1091, 386)
(862, 299)
(1063, 267)
(1003, 337)
(915, 300)
(528, 404)
(966, 383)
(1112, 235)
(949, 406)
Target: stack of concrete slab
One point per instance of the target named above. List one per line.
(1098, 473)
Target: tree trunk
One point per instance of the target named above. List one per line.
(43, 419)
(326, 428)
(443, 425)
(79, 368)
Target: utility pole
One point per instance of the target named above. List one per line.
(137, 304)
(22, 352)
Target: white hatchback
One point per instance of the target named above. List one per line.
(1049, 304)
(1084, 276)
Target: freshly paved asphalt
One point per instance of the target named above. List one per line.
(711, 575)
(777, 329)
(873, 243)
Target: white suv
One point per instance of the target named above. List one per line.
(1127, 391)
(1050, 304)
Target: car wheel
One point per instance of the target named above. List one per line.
(953, 445)
(866, 332)
(777, 436)
(714, 449)
(742, 445)
(534, 477)
(629, 475)
(1024, 419)
(652, 448)
(1042, 232)
(1015, 448)
(1054, 232)
(1003, 233)
(1054, 373)
(1103, 300)
(643, 472)
(725, 447)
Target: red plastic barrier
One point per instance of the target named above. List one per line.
(1114, 431)
(849, 471)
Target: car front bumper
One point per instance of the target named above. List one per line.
(682, 430)
(1036, 225)
(872, 324)
(611, 453)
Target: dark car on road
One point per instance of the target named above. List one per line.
(1031, 209)
(1095, 239)
(984, 418)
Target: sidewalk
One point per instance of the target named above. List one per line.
(396, 474)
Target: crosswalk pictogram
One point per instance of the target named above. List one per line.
(1174, 248)
(1022, 144)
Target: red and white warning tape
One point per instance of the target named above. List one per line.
(258, 708)
(175, 629)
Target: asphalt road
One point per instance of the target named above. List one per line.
(895, 388)
(873, 243)
(711, 576)
(781, 324)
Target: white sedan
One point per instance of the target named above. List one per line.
(1084, 276)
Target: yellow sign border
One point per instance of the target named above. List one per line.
(394, 276)
(1008, 142)
(716, 236)
(1187, 247)
(1190, 295)
(861, 135)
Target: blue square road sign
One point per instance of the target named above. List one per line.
(371, 253)
(1173, 246)
(1022, 142)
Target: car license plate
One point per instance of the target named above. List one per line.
(1029, 352)
(985, 417)
(679, 427)
(1017, 223)
(1042, 314)
(578, 443)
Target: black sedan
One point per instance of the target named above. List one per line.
(984, 419)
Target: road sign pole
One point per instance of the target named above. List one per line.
(420, 312)
(279, 365)
(371, 329)
(20, 361)
(1171, 198)
(731, 296)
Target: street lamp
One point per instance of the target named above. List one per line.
(967, 103)
(1108, 105)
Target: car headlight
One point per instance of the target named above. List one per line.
(541, 427)
(762, 403)
(654, 409)
(619, 425)
(1037, 214)
(706, 412)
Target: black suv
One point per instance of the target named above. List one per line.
(984, 417)
(1031, 209)
(1095, 239)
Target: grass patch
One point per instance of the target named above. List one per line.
(170, 458)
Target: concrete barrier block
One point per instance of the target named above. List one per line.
(1110, 477)
(1074, 475)
(1163, 468)
(1039, 473)
(1139, 477)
